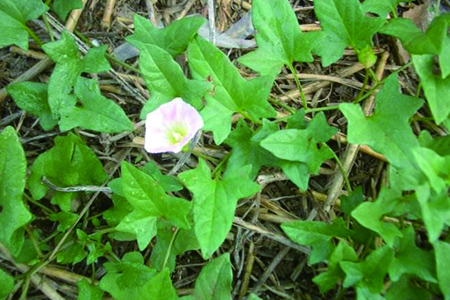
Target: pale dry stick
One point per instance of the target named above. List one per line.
(279, 238)
(45, 63)
(186, 9)
(363, 148)
(28, 53)
(65, 275)
(248, 270)
(347, 82)
(106, 20)
(274, 263)
(42, 284)
(351, 151)
(310, 88)
(211, 21)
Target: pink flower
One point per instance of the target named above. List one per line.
(171, 126)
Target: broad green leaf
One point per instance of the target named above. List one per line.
(369, 273)
(407, 289)
(13, 15)
(382, 7)
(350, 202)
(345, 24)
(6, 284)
(215, 202)
(69, 163)
(13, 170)
(69, 66)
(300, 145)
(387, 130)
(329, 47)
(318, 235)
(33, 98)
(165, 79)
(436, 88)
(442, 250)
(413, 39)
(343, 252)
(124, 280)
(435, 208)
(169, 246)
(440, 144)
(253, 297)
(150, 202)
(64, 7)
(248, 151)
(169, 183)
(410, 259)
(435, 167)
(370, 215)
(65, 219)
(73, 254)
(87, 291)
(279, 38)
(439, 35)
(364, 293)
(214, 281)
(232, 93)
(159, 287)
(95, 112)
(173, 39)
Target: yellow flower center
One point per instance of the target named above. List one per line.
(176, 134)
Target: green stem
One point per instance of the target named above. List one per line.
(25, 287)
(394, 11)
(299, 85)
(34, 36)
(361, 91)
(438, 4)
(341, 168)
(49, 28)
(109, 56)
(166, 259)
(219, 167)
(325, 108)
(283, 105)
(204, 156)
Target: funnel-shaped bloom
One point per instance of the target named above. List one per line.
(171, 126)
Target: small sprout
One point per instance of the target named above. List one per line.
(170, 127)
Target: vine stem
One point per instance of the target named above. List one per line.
(34, 36)
(341, 168)
(299, 85)
(166, 259)
(363, 88)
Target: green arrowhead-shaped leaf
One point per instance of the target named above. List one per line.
(370, 215)
(96, 112)
(173, 39)
(410, 259)
(387, 130)
(165, 79)
(345, 24)
(64, 7)
(232, 93)
(6, 284)
(435, 167)
(412, 38)
(14, 15)
(442, 250)
(279, 38)
(368, 274)
(125, 279)
(407, 289)
(343, 252)
(159, 287)
(382, 7)
(33, 98)
(87, 291)
(317, 235)
(13, 170)
(214, 281)
(215, 202)
(300, 145)
(184, 240)
(436, 88)
(69, 163)
(69, 66)
(150, 202)
(435, 209)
